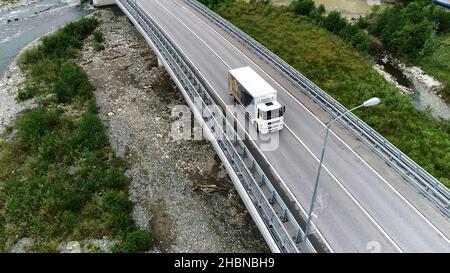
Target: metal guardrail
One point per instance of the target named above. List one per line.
(428, 185)
(282, 225)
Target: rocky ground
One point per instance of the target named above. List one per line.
(136, 98)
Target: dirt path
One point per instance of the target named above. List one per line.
(136, 98)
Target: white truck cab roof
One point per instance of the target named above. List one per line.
(268, 106)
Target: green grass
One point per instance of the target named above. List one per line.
(98, 41)
(348, 77)
(59, 178)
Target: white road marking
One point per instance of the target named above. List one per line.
(331, 131)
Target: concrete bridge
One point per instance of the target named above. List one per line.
(372, 198)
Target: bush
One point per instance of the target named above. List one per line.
(90, 134)
(72, 82)
(33, 125)
(92, 106)
(98, 37)
(135, 241)
(52, 147)
(410, 30)
(26, 93)
(334, 22)
(411, 39)
(98, 47)
(302, 7)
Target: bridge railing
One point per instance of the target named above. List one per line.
(251, 175)
(423, 181)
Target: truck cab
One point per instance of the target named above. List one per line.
(269, 117)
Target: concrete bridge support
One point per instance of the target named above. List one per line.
(100, 3)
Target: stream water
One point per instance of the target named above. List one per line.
(21, 26)
(422, 97)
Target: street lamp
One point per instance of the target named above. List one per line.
(370, 102)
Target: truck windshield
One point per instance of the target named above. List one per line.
(267, 115)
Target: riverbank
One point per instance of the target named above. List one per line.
(61, 186)
(349, 77)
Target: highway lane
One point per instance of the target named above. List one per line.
(334, 216)
(354, 192)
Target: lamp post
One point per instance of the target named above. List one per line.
(370, 102)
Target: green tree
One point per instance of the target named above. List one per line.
(302, 7)
(334, 22)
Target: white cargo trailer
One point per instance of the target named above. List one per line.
(258, 99)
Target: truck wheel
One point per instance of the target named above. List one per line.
(257, 128)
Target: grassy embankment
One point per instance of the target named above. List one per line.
(348, 76)
(59, 178)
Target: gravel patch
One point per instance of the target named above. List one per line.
(136, 98)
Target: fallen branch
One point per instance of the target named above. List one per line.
(209, 188)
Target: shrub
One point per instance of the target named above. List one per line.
(98, 37)
(98, 47)
(410, 30)
(33, 125)
(52, 147)
(26, 93)
(334, 22)
(302, 7)
(135, 241)
(92, 106)
(90, 134)
(72, 82)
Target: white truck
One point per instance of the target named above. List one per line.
(258, 99)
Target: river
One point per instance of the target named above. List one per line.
(20, 26)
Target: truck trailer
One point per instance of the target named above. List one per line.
(257, 98)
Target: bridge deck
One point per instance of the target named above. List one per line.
(362, 203)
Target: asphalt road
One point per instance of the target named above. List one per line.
(363, 205)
